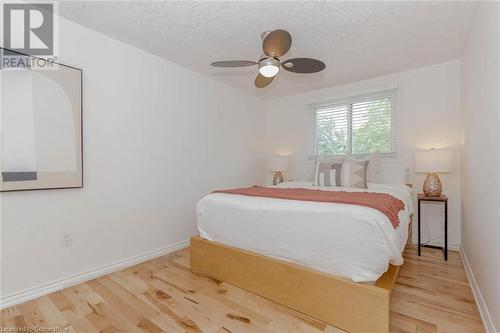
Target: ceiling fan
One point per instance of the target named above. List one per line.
(275, 44)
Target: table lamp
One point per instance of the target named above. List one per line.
(279, 163)
(432, 162)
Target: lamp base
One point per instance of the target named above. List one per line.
(278, 178)
(432, 185)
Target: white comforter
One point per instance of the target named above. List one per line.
(350, 241)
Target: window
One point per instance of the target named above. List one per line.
(358, 125)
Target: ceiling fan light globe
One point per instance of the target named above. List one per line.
(269, 67)
(269, 70)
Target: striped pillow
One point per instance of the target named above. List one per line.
(328, 174)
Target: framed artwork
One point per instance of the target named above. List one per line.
(41, 137)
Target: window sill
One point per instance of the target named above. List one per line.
(382, 155)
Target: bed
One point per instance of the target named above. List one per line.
(334, 262)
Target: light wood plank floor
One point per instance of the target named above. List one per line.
(163, 295)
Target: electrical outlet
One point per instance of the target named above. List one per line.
(67, 239)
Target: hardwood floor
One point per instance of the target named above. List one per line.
(163, 295)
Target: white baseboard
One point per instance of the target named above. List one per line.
(483, 310)
(47, 288)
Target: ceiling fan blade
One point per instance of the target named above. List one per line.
(234, 63)
(303, 65)
(277, 43)
(261, 81)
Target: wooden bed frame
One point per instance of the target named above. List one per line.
(354, 307)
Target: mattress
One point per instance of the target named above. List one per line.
(349, 241)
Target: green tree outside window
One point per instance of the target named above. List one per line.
(370, 129)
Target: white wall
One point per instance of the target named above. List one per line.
(481, 155)
(428, 116)
(157, 137)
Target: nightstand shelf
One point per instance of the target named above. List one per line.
(444, 199)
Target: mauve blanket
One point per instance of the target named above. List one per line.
(385, 203)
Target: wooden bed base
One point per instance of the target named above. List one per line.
(354, 307)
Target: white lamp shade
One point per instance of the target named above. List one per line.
(433, 161)
(279, 163)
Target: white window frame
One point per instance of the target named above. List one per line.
(349, 101)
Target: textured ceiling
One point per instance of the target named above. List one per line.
(356, 40)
